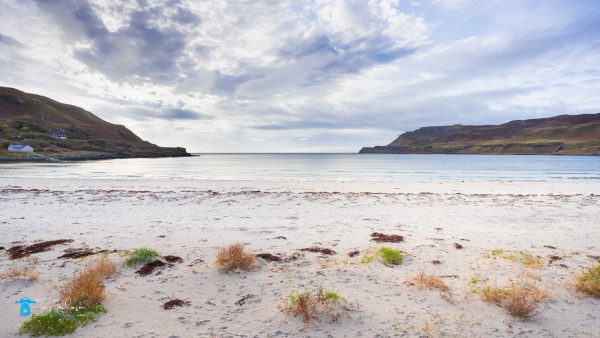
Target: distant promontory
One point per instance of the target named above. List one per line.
(34, 127)
(558, 135)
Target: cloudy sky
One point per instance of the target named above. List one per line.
(303, 76)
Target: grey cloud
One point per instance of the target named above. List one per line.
(10, 41)
(170, 114)
(139, 51)
(183, 114)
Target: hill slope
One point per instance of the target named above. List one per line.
(29, 119)
(564, 134)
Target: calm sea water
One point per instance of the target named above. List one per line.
(323, 167)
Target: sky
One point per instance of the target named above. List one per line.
(303, 76)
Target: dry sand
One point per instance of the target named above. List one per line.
(192, 219)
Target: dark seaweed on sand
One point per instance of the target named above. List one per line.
(269, 257)
(384, 238)
(173, 259)
(21, 251)
(316, 249)
(80, 252)
(176, 302)
(149, 268)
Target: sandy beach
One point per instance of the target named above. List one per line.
(192, 219)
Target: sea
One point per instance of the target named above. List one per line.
(322, 167)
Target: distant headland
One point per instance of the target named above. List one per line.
(558, 135)
(37, 128)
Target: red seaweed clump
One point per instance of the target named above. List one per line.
(268, 257)
(149, 268)
(176, 303)
(316, 249)
(173, 259)
(383, 238)
(21, 251)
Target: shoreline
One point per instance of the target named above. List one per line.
(43, 158)
(373, 187)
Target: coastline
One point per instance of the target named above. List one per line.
(410, 150)
(43, 158)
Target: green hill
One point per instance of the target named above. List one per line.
(564, 134)
(29, 119)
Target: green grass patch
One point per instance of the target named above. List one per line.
(385, 255)
(589, 281)
(60, 322)
(368, 258)
(296, 297)
(519, 256)
(329, 295)
(141, 256)
(322, 296)
(390, 256)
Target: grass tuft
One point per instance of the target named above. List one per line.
(519, 256)
(21, 273)
(60, 322)
(87, 288)
(314, 305)
(589, 281)
(82, 295)
(385, 255)
(141, 256)
(234, 256)
(520, 299)
(421, 281)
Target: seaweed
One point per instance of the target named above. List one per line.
(353, 253)
(21, 251)
(176, 303)
(80, 252)
(316, 249)
(384, 238)
(149, 268)
(268, 257)
(173, 259)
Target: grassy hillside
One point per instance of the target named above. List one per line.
(28, 119)
(565, 134)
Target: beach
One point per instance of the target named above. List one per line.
(456, 224)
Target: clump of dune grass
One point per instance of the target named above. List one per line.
(589, 281)
(234, 256)
(422, 280)
(21, 273)
(141, 256)
(519, 256)
(87, 288)
(387, 256)
(82, 297)
(316, 305)
(520, 299)
(60, 322)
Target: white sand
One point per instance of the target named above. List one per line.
(196, 217)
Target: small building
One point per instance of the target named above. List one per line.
(58, 134)
(20, 148)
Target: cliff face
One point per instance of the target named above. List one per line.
(29, 119)
(565, 134)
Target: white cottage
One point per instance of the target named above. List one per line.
(20, 148)
(58, 134)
